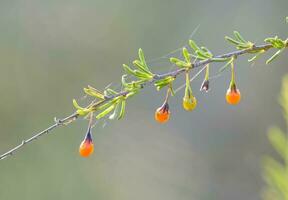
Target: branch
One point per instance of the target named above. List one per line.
(108, 98)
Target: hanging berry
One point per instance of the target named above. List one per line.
(162, 114)
(87, 147)
(189, 101)
(233, 95)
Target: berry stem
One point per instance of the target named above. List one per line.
(207, 73)
(232, 73)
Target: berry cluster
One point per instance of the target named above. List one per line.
(189, 103)
(112, 103)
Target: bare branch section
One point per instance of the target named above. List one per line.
(67, 120)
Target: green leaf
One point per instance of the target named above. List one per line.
(128, 70)
(175, 60)
(193, 45)
(274, 56)
(142, 75)
(202, 54)
(244, 45)
(106, 111)
(207, 52)
(76, 105)
(199, 57)
(186, 55)
(122, 111)
(132, 92)
(229, 39)
(114, 115)
(142, 59)
(123, 80)
(80, 110)
(180, 63)
(239, 37)
(108, 104)
(163, 82)
(93, 92)
(140, 66)
(111, 91)
(276, 42)
(132, 85)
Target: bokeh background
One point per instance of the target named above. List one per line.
(50, 50)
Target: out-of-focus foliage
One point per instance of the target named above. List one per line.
(276, 172)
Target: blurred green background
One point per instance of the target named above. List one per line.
(50, 50)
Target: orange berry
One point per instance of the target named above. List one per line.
(86, 147)
(162, 114)
(233, 96)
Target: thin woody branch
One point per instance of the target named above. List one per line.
(94, 105)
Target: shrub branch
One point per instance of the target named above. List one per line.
(107, 101)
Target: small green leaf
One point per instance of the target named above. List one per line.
(244, 45)
(186, 55)
(180, 63)
(111, 91)
(108, 104)
(239, 37)
(175, 60)
(198, 57)
(163, 82)
(276, 42)
(114, 115)
(76, 105)
(229, 39)
(123, 80)
(142, 75)
(93, 92)
(128, 70)
(207, 51)
(142, 59)
(193, 45)
(274, 56)
(132, 92)
(202, 54)
(106, 111)
(122, 111)
(140, 66)
(80, 110)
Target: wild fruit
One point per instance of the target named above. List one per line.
(233, 95)
(162, 114)
(189, 101)
(87, 147)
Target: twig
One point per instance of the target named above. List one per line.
(74, 116)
